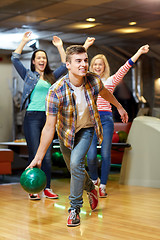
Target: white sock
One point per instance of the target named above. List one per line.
(103, 186)
(94, 181)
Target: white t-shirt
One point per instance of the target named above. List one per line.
(83, 115)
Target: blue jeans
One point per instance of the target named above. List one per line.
(33, 124)
(108, 129)
(75, 161)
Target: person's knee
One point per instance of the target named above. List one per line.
(106, 156)
(77, 165)
(74, 165)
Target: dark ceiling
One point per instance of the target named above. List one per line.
(67, 19)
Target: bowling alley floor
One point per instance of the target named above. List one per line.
(128, 213)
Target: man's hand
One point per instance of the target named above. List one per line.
(35, 163)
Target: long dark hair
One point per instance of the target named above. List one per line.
(48, 73)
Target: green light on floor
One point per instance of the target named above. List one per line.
(83, 212)
(59, 206)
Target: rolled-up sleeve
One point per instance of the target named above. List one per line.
(52, 103)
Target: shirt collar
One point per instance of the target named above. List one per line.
(68, 82)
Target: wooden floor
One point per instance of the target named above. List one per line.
(128, 213)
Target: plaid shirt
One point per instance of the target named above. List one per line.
(60, 102)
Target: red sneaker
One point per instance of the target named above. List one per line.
(73, 219)
(102, 193)
(48, 193)
(34, 196)
(93, 198)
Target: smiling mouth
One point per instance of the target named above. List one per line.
(83, 69)
(41, 65)
(98, 72)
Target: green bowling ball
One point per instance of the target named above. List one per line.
(122, 136)
(33, 180)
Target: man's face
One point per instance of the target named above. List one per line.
(78, 66)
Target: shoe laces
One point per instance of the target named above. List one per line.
(33, 195)
(103, 190)
(49, 190)
(73, 214)
(90, 197)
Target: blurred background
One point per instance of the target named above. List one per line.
(120, 28)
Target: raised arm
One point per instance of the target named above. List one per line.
(108, 96)
(26, 38)
(45, 141)
(142, 50)
(89, 41)
(57, 42)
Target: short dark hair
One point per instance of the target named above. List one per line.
(74, 49)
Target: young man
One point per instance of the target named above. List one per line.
(71, 109)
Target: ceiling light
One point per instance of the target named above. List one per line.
(82, 25)
(90, 19)
(132, 23)
(130, 30)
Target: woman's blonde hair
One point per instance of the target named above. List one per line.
(106, 72)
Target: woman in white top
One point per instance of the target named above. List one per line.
(100, 66)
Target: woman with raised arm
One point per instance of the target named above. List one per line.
(100, 66)
(37, 82)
